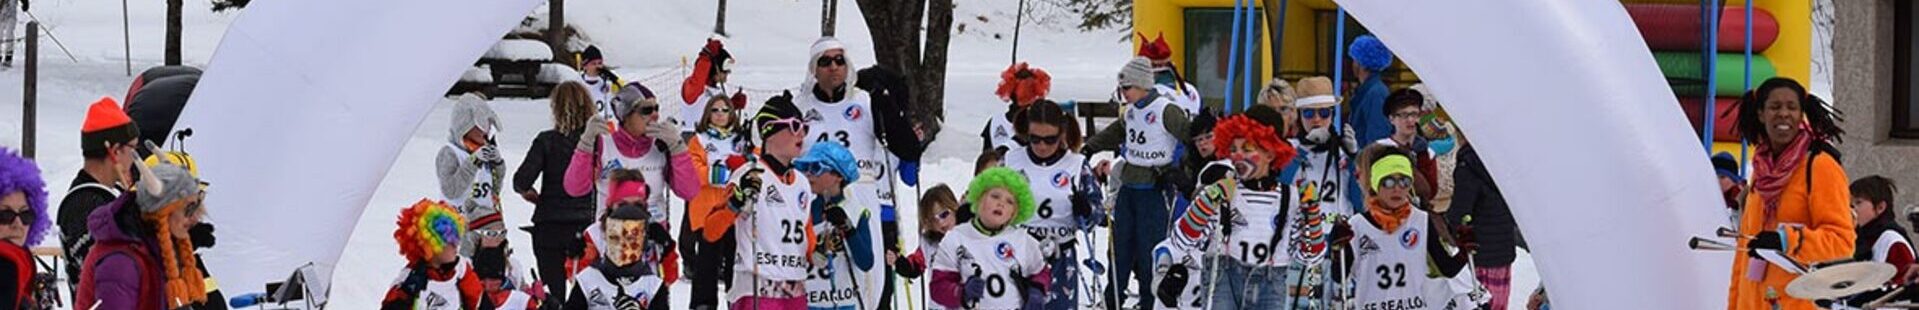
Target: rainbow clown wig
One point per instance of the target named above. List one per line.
(427, 229)
(1261, 135)
(19, 175)
(1012, 181)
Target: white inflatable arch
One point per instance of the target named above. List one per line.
(1595, 156)
(307, 103)
(1603, 173)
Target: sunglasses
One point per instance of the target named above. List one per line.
(26, 217)
(1053, 139)
(794, 124)
(1316, 113)
(944, 214)
(825, 61)
(1396, 182)
(1405, 115)
(488, 233)
(647, 110)
(717, 110)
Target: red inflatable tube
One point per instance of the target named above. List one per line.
(1675, 27)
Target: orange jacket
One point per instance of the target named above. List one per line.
(1816, 225)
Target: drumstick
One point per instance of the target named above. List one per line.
(1881, 301)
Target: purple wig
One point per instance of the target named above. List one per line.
(19, 175)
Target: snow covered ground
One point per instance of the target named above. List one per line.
(647, 41)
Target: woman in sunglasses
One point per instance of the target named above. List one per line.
(1397, 244)
(142, 254)
(718, 147)
(639, 139)
(23, 222)
(1051, 163)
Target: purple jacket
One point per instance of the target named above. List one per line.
(118, 281)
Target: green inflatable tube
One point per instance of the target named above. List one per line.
(1682, 70)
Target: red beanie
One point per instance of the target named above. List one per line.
(1155, 49)
(105, 123)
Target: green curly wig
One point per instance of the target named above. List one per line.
(1011, 180)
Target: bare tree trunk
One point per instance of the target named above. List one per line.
(931, 82)
(556, 31)
(826, 18)
(719, 20)
(173, 32)
(896, 27)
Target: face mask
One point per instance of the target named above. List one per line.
(490, 262)
(626, 241)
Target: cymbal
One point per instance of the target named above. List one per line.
(1840, 280)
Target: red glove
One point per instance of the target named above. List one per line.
(735, 161)
(713, 46)
(738, 100)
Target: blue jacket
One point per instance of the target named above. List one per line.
(1368, 116)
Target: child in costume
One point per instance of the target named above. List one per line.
(435, 276)
(990, 263)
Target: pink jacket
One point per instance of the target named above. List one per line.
(584, 170)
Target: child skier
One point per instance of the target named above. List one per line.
(620, 279)
(435, 277)
(772, 202)
(845, 224)
(1395, 245)
(989, 263)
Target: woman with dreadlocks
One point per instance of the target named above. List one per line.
(1799, 205)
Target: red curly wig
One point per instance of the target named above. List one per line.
(1242, 127)
(1023, 88)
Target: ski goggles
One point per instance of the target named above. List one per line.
(773, 126)
(1316, 113)
(1396, 182)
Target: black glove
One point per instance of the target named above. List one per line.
(1769, 240)
(1342, 231)
(837, 217)
(746, 190)
(202, 235)
(1177, 179)
(415, 281)
(1172, 285)
(1225, 221)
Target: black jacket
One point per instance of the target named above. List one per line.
(546, 162)
(72, 220)
(1475, 194)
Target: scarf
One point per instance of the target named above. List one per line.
(1773, 168)
(1388, 220)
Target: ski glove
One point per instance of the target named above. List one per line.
(971, 292)
(1172, 285)
(668, 134)
(1769, 240)
(488, 156)
(415, 281)
(746, 191)
(590, 136)
(837, 217)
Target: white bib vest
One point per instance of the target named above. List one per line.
(1000, 132)
(1148, 144)
(1389, 268)
(1052, 187)
(652, 167)
(601, 292)
(850, 123)
(1256, 220)
(483, 193)
(773, 237)
(997, 261)
(443, 295)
